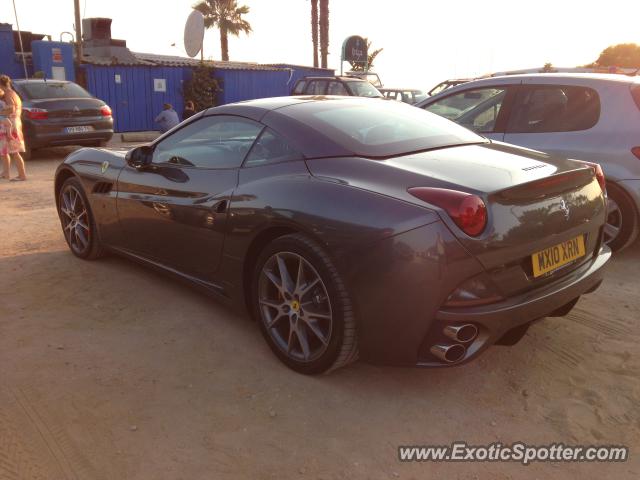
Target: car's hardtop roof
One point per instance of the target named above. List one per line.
(343, 78)
(604, 77)
(280, 114)
(578, 79)
(554, 78)
(264, 105)
(300, 136)
(23, 81)
(393, 89)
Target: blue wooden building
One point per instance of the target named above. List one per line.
(136, 85)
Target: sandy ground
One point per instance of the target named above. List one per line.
(110, 371)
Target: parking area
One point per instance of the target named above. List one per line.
(111, 371)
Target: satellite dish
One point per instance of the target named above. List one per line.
(194, 33)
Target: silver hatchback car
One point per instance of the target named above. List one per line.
(588, 117)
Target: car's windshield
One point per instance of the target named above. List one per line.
(53, 90)
(380, 129)
(363, 89)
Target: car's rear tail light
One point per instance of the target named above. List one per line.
(636, 152)
(597, 169)
(468, 211)
(36, 113)
(105, 111)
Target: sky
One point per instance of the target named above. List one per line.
(424, 41)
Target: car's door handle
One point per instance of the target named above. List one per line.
(162, 209)
(220, 207)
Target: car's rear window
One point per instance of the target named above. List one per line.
(380, 128)
(35, 91)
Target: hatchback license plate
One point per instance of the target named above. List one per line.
(81, 129)
(552, 258)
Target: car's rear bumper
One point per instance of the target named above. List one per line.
(401, 285)
(495, 320)
(49, 134)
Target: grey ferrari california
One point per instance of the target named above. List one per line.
(348, 227)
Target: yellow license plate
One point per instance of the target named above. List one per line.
(551, 258)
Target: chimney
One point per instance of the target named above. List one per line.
(96, 32)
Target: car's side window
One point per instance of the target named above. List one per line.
(219, 141)
(554, 108)
(299, 88)
(336, 88)
(270, 148)
(475, 109)
(316, 87)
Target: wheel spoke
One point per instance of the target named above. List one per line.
(275, 320)
(287, 283)
(65, 211)
(317, 315)
(300, 274)
(273, 280)
(290, 341)
(83, 225)
(80, 236)
(315, 329)
(611, 231)
(67, 201)
(303, 341)
(308, 287)
(271, 304)
(74, 199)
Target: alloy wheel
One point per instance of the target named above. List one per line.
(613, 224)
(295, 307)
(75, 219)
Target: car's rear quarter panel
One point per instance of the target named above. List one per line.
(398, 260)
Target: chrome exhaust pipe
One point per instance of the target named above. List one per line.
(461, 333)
(449, 353)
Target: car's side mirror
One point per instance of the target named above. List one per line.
(140, 157)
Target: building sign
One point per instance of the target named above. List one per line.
(56, 55)
(159, 84)
(117, 78)
(354, 49)
(58, 73)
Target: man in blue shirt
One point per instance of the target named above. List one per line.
(168, 118)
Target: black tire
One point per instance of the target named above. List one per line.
(340, 345)
(625, 217)
(93, 248)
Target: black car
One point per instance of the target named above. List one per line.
(348, 226)
(56, 113)
(347, 86)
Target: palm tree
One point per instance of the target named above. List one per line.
(324, 31)
(227, 16)
(314, 30)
